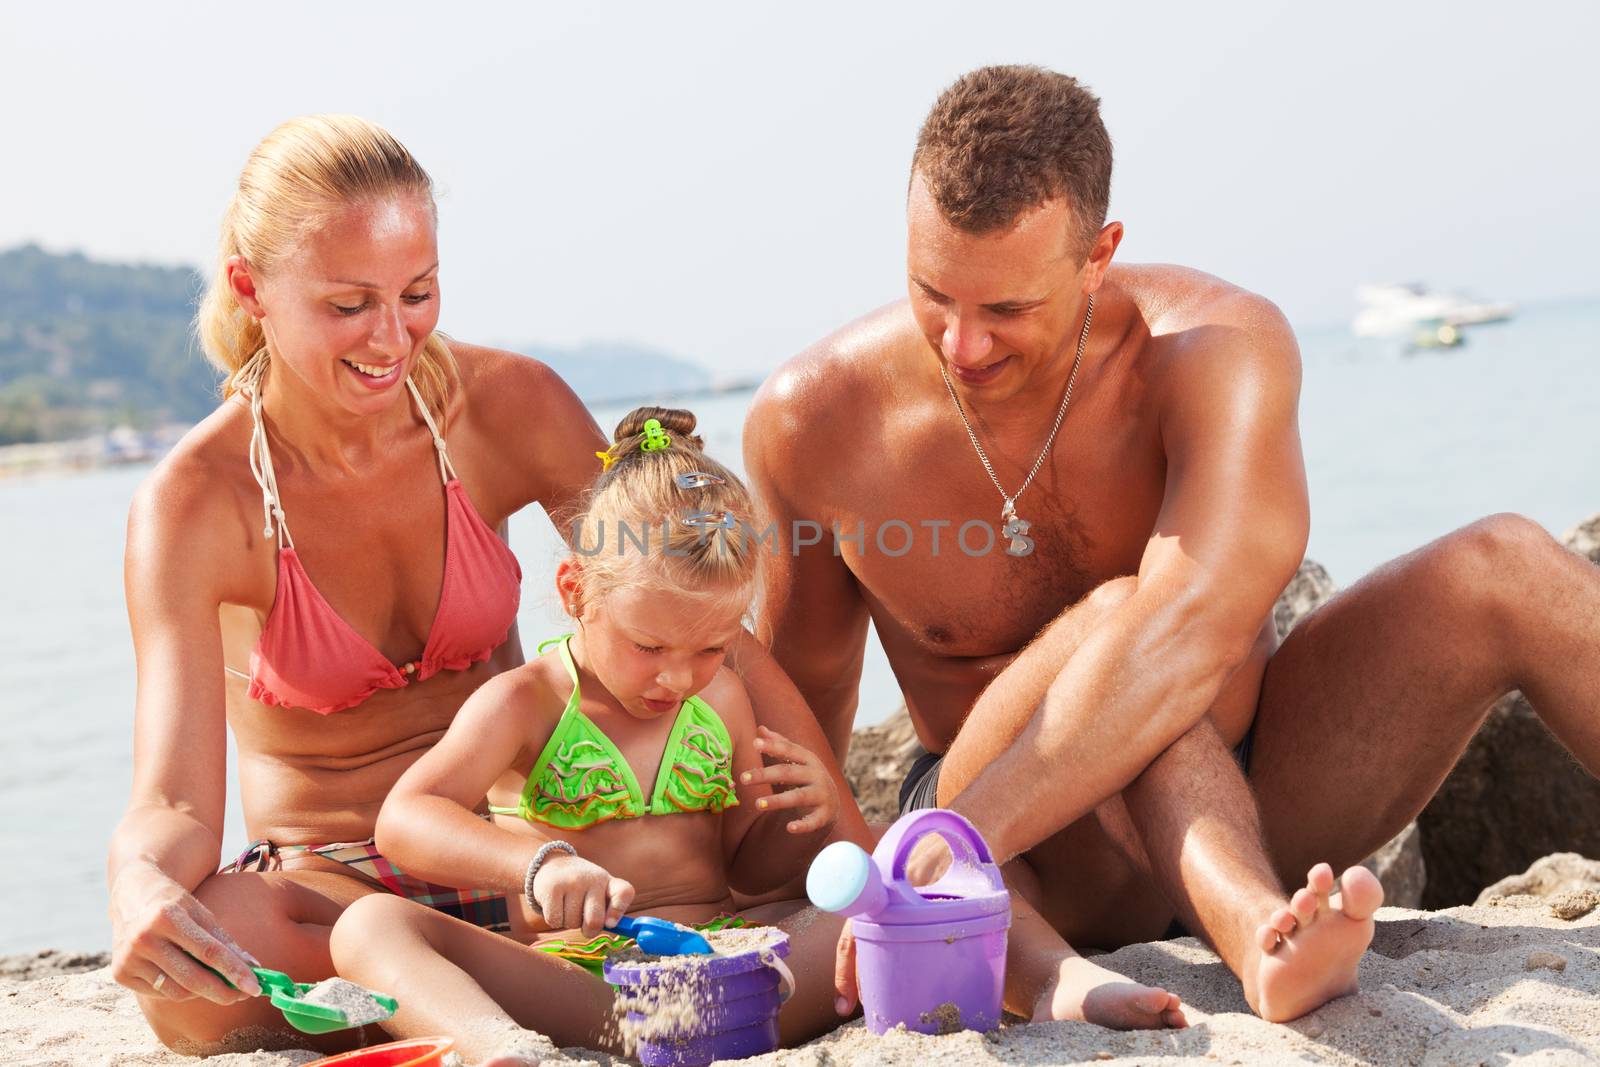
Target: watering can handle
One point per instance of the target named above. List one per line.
(910, 829)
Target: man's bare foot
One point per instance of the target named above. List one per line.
(1307, 954)
(1090, 993)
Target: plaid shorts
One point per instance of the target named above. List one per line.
(480, 907)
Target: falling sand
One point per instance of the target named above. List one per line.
(673, 1004)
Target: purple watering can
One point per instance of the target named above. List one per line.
(933, 957)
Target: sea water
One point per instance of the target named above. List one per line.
(1399, 449)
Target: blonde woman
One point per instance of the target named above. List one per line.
(321, 565)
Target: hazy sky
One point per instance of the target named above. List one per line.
(726, 181)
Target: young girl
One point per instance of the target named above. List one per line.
(624, 773)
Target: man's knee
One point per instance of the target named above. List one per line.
(1108, 596)
(1068, 628)
(1493, 563)
(1023, 880)
(1497, 544)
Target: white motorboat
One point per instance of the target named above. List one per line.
(1404, 310)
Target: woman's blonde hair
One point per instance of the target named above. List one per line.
(667, 517)
(295, 178)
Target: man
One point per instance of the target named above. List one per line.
(1127, 437)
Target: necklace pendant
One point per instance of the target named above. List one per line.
(1016, 530)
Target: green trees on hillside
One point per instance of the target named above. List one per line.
(87, 345)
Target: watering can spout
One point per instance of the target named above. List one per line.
(844, 879)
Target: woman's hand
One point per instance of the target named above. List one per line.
(807, 787)
(572, 892)
(161, 934)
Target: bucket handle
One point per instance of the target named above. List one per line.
(785, 975)
(911, 828)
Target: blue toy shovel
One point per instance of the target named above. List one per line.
(662, 938)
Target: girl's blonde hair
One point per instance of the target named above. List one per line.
(295, 178)
(667, 517)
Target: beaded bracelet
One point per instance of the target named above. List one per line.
(537, 862)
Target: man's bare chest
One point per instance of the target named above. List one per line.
(931, 554)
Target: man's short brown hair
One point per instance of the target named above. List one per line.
(1002, 140)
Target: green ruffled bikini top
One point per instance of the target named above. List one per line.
(581, 778)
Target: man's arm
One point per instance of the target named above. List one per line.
(1231, 530)
(812, 615)
(779, 706)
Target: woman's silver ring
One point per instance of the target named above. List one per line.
(161, 977)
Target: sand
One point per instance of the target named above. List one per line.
(1504, 983)
(356, 1002)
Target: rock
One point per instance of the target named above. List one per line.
(1544, 961)
(1308, 590)
(1553, 877)
(48, 962)
(1401, 869)
(1515, 796)
(1574, 905)
(877, 763)
(1584, 538)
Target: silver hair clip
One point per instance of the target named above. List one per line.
(710, 520)
(699, 480)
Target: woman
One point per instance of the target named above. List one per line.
(338, 652)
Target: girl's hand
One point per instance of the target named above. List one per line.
(161, 935)
(572, 892)
(809, 787)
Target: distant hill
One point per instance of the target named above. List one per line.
(602, 372)
(86, 345)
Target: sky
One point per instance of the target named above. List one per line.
(727, 181)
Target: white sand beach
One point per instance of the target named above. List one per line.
(1506, 982)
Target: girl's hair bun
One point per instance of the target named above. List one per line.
(676, 421)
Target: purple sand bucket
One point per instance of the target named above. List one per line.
(738, 999)
(934, 958)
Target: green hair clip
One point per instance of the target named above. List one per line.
(655, 438)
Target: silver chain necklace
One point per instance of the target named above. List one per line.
(1016, 528)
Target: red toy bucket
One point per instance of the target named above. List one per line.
(418, 1052)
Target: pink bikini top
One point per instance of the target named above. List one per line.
(309, 657)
